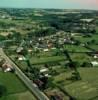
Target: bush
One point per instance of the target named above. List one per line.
(2, 90)
(86, 64)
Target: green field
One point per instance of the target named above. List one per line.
(86, 39)
(94, 47)
(85, 89)
(15, 89)
(19, 96)
(43, 60)
(38, 61)
(75, 48)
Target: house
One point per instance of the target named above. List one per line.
(53, 48)
(45, 50)
(29, 50)
(21, 58)
(87, 20)
(19, 50)
(50, 45)
(43, 70)
(38, 82)
(7, 67)
(95, 56)
(56, 95)
(2, 61)
(94, 63)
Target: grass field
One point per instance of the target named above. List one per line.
(38, 61)
(86, 39)
(94, 47)
(15, 89)
(85, 89)
(81, 57)
(75, 48)
(19, 96)
(47, 59)
(12, 83)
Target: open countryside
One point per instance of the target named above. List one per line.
(48, 54)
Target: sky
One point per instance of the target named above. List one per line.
(60, 4)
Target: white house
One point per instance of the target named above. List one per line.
(43, 70)
(94, 63)
(46, 50)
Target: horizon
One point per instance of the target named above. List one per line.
(47, 4)
(48, 8)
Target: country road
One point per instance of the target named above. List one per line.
(40, 95)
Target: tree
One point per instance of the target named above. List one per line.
(16, 36)
(73, 66)
(93, 41)
(36, 72)
(2, 37)
(3, 90)
(86, 64)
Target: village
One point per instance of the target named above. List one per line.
(59, 57)
(43, 59)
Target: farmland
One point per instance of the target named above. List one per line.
(57, 52)
(81, 89)
(14, 88)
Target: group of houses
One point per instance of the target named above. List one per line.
(5, 66)
(46, 43)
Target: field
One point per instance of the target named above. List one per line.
(75, 48)
(19, 96)
(86, 39)
(15, 89)
(85, 89)
(19, 24)
(94, 47)
(38, 61)
(47, 59)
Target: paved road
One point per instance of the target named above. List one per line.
(40, 95)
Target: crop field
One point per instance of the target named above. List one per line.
(85, 89)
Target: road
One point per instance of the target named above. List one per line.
(40, 95)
